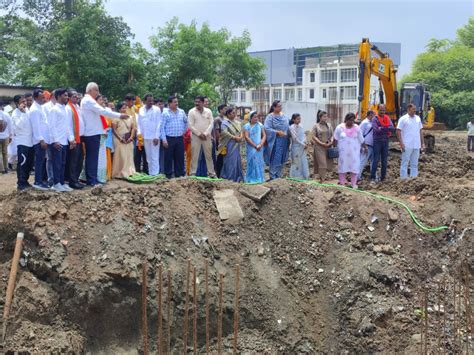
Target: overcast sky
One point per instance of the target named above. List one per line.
(285, 23)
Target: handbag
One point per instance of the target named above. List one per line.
(333, 153)
(127, 135)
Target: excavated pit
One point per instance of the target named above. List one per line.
(313, 276)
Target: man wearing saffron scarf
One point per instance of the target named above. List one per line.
(94, 127)
(75, 156)
(382, 127)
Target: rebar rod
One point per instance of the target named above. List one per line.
(422, 333)
(160, 311)
(467, 306)
(206, 282)
(438, 322)
(426, 322)
(186, 310)
(144, 307)
(195, 311)
(455, 325)
(168, 309)
(236, 306)
(219, 316)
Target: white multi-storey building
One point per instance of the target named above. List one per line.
(309, 79)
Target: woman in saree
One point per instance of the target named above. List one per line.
(229, 147)
(322, 140)
(276, 150)
(255, 137)
(299, 162)
(123, 133)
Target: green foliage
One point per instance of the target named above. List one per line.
(466, 33)
(447, 70)
(67, 43)
(186, 57)
(236, 68)
(71, 43)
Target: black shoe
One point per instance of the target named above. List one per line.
(23, 187)
(76, 186)
(5, 172)
(10, 166)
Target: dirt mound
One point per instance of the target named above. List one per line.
(322, 270)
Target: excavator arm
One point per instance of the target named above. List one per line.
(383, 68)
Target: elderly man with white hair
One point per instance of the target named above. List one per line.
(94, 126)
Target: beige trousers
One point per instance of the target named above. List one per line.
(4, 154)
(196, 144)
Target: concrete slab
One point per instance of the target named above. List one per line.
(254, 192)
(228, 205)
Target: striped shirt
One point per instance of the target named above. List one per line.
(173, 124)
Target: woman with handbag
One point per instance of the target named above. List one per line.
(124, 131)
(322, 140)
(349, 139)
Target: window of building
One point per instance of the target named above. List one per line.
(266, 95)
(255, 95)
(324, 93)
(243, 96)
(328, 76)
(312, 77)
(234, 96)
(348, 92)
(348, 75)
(300, 94)
(289, 95)
(332, 93)
(311, 93)
(277, 94)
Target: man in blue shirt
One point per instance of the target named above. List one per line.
(367, 153)
(173, 126)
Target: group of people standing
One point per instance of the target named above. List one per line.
(68, 137)
(367, 142)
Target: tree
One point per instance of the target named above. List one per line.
(70, 43)
(187, 57)
(236, 68)
(446, 68)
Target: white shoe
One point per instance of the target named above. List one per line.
(39, 187)
(58, 188)
(67, 188)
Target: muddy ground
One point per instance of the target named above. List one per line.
(322, 270)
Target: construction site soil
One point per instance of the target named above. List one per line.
(322, 270)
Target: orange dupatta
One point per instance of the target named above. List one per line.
(75, 117)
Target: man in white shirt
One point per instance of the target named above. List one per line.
(410, 136)
(23, 134)
(75, 157)
(50, 101)
(6, 134)
(149, 126)
(470, 136)
(61, 138)
(40, 127)
(94, 127)
(201, 123)
(29, 100)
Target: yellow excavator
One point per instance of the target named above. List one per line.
(396, 103)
